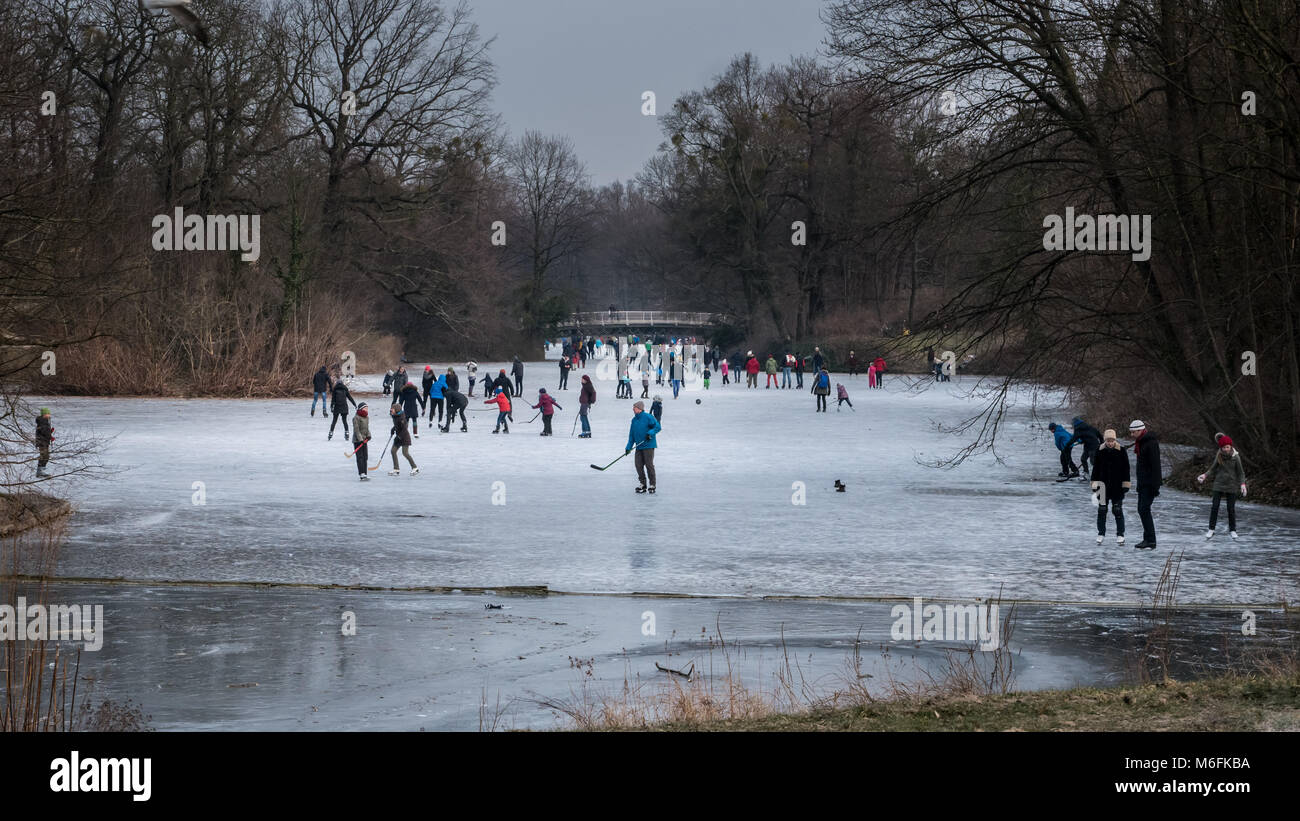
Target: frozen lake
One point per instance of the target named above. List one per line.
(284, 505)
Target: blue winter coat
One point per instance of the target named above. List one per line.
(436, 389)
(643, 425)
(1062, 437)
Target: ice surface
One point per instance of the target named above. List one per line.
(283, 504)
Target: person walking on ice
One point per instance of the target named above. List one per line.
(503, 410)
(547, 405)
(1146, 446)
(641, 436)
(585, 400)
(1110, 481)
(320, 387)
(402, 436)
(1227, 478)
(821, 389)
(361, 440)
(339, 405)
(44, 438)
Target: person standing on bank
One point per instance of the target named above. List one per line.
(1146, 446)
(641, 435)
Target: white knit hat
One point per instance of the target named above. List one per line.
(1137, 424)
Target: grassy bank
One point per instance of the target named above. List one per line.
(1228, 703)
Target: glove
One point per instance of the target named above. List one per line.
(1096, 485)
(1201, 478)
(626, 452)
(1243, 491)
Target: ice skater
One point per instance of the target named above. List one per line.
(565, 367)
(1146, 446)
(402, 436)
(1110, 481)
(1227, 479)
(339, 405)
(657, 408)
(456, 402)
(388, 382)
(821, 389)
(320, 388)
(547, 405)
(435, 394)
(724, 370)
(517, 371)
(585, 400)
(44, 438)
(1062, 438)
(879, 362)
(871, 375)
(503, 409)
(842, 396)
(641, 435)
(412, 406)
(361, 440)
(707, 373)
(471, 370)
(1089, 438)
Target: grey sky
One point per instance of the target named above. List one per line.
(578, 67)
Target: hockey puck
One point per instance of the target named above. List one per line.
(697, 401)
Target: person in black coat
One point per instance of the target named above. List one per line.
(1110, 481)
(339, 405)
(1146, 445)
(517, 371)
(320, 386)
(453, 381)
(456, 401)
(1090, 438)
(565, 365)
(412, 406)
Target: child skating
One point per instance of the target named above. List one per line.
(503, 410)
(1227, 479)
(402, 438)
(547, 405)
(842, 395)
(361, 439)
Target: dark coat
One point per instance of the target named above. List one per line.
(412, 404)
(503, 382)
(455, 399)
(588, 395)
(1086, 435)
(342, 396)
(401, 434)
(320, 383)
(517, 370)
(44, 432)
(1111, 468)
(453, 381)
(1148, 462)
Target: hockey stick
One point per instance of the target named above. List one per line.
(625, 453)
(534, 419)
(354, 450)
(382, 452)
(575, 424)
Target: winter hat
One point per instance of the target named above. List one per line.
(503, 371)
(541, 390)
(361, 407)
(1136, 425)
(1225, 440)
(499, 390)
(1219, 436)
(1077, 421)
(45, 411)
(749, 353)
(428, 367)
(639, 404)
(1109, 434)
(657, 399)
(1052, 426)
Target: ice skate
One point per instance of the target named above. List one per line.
(1233, 534)
(640, 488)
(415, 471)
(329, 437)
(365, 478)
(394, 473)
(1209, 534)
(1119, 540)
(1100, 536)
(652, 489)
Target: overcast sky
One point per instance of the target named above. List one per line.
(578, 67)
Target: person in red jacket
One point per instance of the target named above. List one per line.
(503, 410)
(547, 404)
(751, 371)
(880, 371)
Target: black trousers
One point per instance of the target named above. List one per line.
(434, 402)
(451, 415)
(1232, 509)
(1145, 498)
(363, 458)
(546, 422)
(564, 380)
(1088, 459)
(1116, 506)
(340, 414)
(821, 402)
(1067, 462)
(519, 386)
(645, 464)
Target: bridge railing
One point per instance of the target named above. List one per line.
(643, 318)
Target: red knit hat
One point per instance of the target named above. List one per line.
(1224, 440)
(428, 367)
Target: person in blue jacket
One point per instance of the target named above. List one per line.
(641, 435)
(1064, 443)
(435, 397)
